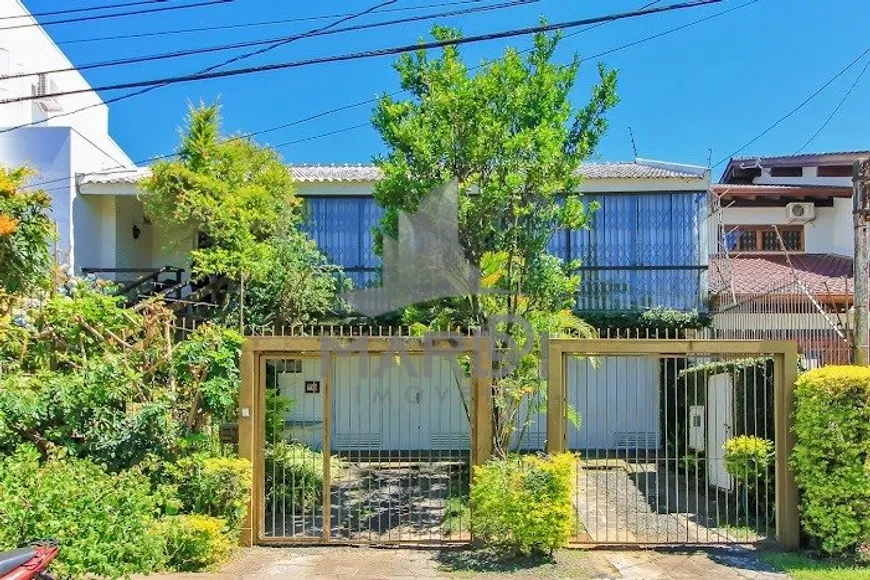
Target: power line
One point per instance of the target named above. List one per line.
(394, 93)
(371, 53)
(320, 135)
(836, 109)
(116, 14)
(84, 9)
(584, 59)
(252, 43)
(800, 106)
(253, 24)
(205, 70)
(234, 59)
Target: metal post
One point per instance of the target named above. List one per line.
(861, 348)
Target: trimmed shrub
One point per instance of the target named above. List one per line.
(832, 424)
(104, 522)
(523, 505)
(196, 542)
(653, 319)
(215, 486)
(748, 459)
(294, 476)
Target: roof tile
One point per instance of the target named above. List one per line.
(367, 173)
(763, 273)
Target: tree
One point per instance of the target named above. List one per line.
(510, 136)
(233, 191)
(26, 231)
(239, 196)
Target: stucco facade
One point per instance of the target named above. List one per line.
(58, 138)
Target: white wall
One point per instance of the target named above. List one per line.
(809, 177)
(48, 151)
(58, 147)
(131, 252)
(829, 233)
(31, 50)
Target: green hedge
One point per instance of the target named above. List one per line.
(215, 486)
(653, 319)
(196, 542)
(832, 424)
(104, 522)
(523, 505)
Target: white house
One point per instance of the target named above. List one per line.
(59, 137)
(783, 264)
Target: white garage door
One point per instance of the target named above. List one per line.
(617, 399)
(406, 403)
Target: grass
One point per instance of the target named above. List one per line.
(457, 515)
(803, 567)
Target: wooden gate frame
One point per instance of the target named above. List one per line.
(785, 360)
(252, 404)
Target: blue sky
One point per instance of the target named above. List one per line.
(714, 85)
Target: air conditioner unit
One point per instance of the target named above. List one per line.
(43, 88)
(799, 212)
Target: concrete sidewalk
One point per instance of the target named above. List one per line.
(732, 563)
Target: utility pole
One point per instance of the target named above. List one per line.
(860, 269)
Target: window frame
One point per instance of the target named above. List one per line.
(759, 231)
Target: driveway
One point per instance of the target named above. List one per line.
(393, 563)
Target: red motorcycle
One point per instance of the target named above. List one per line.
(30, 563)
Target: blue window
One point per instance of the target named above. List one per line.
(643, 250)
(342, 227)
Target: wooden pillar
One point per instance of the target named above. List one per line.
(786, 493)
(556, 390)
(481, 403)
(247, 439)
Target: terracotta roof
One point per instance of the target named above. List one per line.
(359, 173)
(823, 274)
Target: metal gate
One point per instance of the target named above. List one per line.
(651, 420)
(365, 439)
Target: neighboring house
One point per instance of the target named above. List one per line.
(59, 138)
(782, 266)
(647, 245)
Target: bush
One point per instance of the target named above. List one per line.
(104, 522)
(26, 230)
(654, 319)
(215, 486)
(748, 459)
(92, 413)
(196, 542)
(294, 476)
(524, 505)
(832, 424)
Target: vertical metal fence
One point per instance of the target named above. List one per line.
(376, 445)
(365, 442)
(678, 442)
